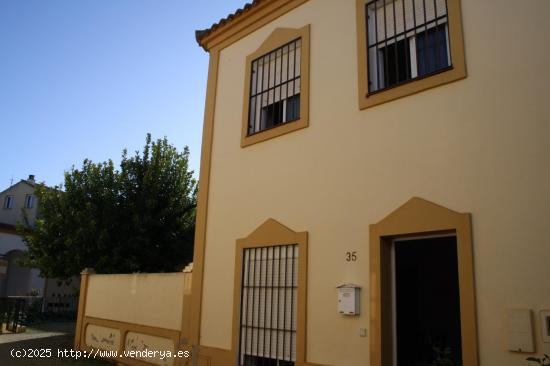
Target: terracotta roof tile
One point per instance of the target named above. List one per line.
(200, 34)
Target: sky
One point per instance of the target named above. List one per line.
(87, 78)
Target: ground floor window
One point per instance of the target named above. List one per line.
(268, 311)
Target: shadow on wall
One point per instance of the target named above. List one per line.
(19, 280)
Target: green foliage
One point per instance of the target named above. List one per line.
(545, 361)
(33, 311)
(139, 218)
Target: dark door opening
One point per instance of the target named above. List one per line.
(427, 302)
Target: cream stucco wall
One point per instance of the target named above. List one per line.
(9, 242)
(479, 145)
(13, 216)
(154, 299)
(19, 280)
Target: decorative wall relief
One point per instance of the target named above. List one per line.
(102, 337)
(160, 350)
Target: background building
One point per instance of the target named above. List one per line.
(18, 201)
(19, 280)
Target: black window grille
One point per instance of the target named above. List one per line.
(407, 40)
(269, 297)
(275, 85)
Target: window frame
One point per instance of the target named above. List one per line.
(29, 201)
(278, 38)
(272, 233)
(9, 202)
(454, 72)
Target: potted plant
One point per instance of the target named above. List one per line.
(545, 361)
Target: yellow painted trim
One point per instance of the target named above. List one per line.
(202, 201)
(124, 329)
(84, 279)
(279, 37)
(420, 217)
(186, 308)
(215, 42)
(272, 233)
(130, 327)
(248, 22)
(457, 72)
(211, 356)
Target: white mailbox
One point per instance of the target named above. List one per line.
(348, 299)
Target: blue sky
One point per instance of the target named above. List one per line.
(86, 78)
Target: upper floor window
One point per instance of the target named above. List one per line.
(8, 201)
(29, 201)
(417, 43)
(276, 86)
(401, 50)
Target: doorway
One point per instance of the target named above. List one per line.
(416, 222)
(426, 301)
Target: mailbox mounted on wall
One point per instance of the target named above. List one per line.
(348, 299)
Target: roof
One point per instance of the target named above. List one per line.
(30, 183)
(201, 34)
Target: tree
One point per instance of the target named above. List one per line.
(140, 218)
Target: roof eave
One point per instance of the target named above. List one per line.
(243, 21)
(204, 36)
(199, 35)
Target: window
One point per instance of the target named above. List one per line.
(29, 201)
(8, 202)
(270, 305)
(282, 111)
(276, 86)
(269, 294)
(431, 51)
(406, 46)
(401, 50)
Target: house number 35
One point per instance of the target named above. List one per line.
(351, 256)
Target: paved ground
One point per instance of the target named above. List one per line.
(39, 339)
(39, 331)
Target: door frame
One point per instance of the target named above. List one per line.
(418, 217)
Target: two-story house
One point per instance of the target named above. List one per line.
(18, 280)
(375, 184)
(18, 203)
